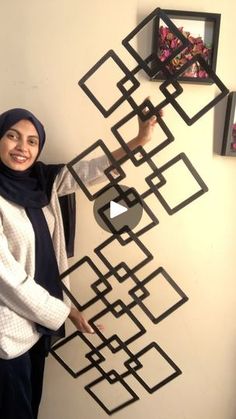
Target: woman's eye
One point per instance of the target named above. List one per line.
(12, 136)
(33, 141)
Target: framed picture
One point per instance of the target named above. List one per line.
(202, 32)
(229, 137)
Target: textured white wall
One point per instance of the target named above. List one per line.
(46, 47)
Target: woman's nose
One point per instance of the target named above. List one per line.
(21, 145)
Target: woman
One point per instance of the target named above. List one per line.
(32, 255)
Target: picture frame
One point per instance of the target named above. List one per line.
(201, 29)
(229, 136)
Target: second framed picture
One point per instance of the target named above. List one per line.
(202, 32)
(229, 137)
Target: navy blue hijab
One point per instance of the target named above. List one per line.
(32, 190)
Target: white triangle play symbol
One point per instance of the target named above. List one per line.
(116, 209)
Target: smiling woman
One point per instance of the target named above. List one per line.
(19, 146)
(33, 308)
(32, 256)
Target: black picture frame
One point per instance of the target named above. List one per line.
(211, 27)
(229, 136)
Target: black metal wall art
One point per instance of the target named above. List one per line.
(104, 388)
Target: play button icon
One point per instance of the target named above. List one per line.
(118, 207)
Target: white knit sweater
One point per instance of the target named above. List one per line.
(22, 301)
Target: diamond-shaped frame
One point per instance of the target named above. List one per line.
(134, 238)
(98, 274)
(82, 83)
(114, 165)
(155, 188)
(154, 345)
(63, 342)
(151, 153)
(212, 75)
(118, 309)
(126, 403)
(171, 282)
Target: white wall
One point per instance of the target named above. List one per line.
(46, 47)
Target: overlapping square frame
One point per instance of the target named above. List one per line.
(158, 173)
(124, 196)
(212, 75)
(118, 309)
(171, 282)
(156, 64)
(113, 179)
(114, 269)
(133, 395)
(146, 109)
(99, 275)
(135, 83)
(63, 342)
(155, 188)
(134, 372)
(131, 275)
(108, 375)
(132, 153)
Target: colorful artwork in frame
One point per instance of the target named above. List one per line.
(202, 32)
(229, 137)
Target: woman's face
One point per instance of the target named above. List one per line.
(19, 146)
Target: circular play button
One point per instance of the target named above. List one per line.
(118, 207)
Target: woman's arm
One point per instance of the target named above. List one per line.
(92, 171)
(144, 135)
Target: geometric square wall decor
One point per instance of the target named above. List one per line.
(223, 91)
(169, 192)
(114, 286)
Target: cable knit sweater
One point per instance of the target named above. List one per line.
(22, 301)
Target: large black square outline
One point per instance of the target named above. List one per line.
(113, 269)
(154, 345)
(133, 399)
(114, 165)
(194, 173)
(224, 91)
(110, 54)
(69, 338)
(122, 309)
(99, 275)
(171, 282)
(151, 153)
